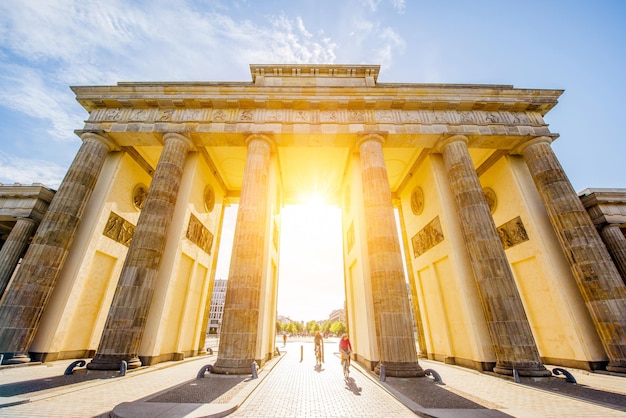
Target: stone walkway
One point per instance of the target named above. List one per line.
(288, 387)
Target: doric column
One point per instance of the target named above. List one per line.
(615, 241)
(126, 320)
(392, 314)
(30, 290)
(238, 338)
(599, 281)
(13, 248)
(508, 325)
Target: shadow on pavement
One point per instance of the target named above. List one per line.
(352, 386)
(560, 386)
(37, 385)
(426, 393)
(214, 388)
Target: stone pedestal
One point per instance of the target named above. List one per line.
(126, 320)
(508, 325)
(21, 308)
(13, 248)
(240, 323)
(392, 313)
(599, 281)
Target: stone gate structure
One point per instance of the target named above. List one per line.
(506, 269)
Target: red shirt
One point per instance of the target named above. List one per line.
(345, 344)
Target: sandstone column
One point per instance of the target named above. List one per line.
(508, 325)
(30, 290)
(238, 338)
(126, 320)
(392, 313)
(615, 242)
(13, 248)
(599, 281)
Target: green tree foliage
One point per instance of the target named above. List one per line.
(338, 328)
(326, 326)
(291, 328)
(312, 326)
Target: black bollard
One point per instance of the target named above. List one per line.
(254, 366)
(383, 373)
(123, 368)
(301, 353)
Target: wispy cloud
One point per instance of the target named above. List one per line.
(12, 170)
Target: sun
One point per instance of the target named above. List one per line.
(314, 200)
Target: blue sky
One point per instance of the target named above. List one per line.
(48, 45)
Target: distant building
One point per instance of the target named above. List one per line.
(338, 315)
(217, 306)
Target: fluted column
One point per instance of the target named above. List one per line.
(238, 337)
(392, 314)
(615, 241)
(126, 320)
(597, 277)
(13, 248)
(21, 308)
(508, 325)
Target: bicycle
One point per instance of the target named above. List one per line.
(346, 363)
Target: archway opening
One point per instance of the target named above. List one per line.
(310, 275)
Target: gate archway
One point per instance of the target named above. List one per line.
(123, 262)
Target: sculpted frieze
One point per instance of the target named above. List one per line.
(427, 238)
(512, 233)
(307, 116)
(199, 234)
(119, 229)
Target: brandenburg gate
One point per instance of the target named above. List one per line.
(505, 269)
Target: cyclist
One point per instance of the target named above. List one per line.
(345, 348)
(318, 342)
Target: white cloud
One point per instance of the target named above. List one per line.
(12, 170)
(371, 4)
(398, 5)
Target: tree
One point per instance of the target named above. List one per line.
(338, 328)
(326, 326)
(291, 328)
(279, 327)
(312, 326)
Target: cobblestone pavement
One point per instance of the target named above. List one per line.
(294, 388)
(300, 389)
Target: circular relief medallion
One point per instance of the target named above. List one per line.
(140, 192)
(417, 200)
(490, 196)
(209, 198)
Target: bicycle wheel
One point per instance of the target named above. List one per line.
(346, 367)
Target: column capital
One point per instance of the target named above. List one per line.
(370, 136)
(444, 141)
(261, 136)
(27, 219)
(177, 136)
(104, 139)
(519, 150)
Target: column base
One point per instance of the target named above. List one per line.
(401, 369)
(232, 366)
(16, 358)
(616, 367)
(527, 371)
(113, 362)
